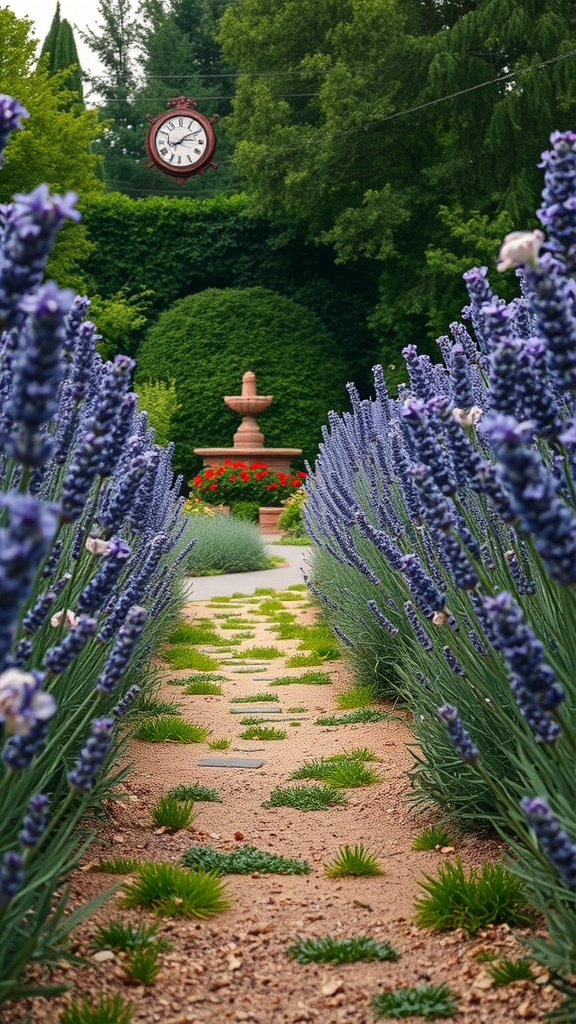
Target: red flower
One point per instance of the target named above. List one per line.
(244, 476)
(232, 476)
(197, 480)
(208, 473)
(258, 465)
(301, 474)
(213, 487)
(270, 487)
(295, 482)
(258, 476)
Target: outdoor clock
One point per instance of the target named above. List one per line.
(181, 142)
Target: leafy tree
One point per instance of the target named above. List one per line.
(54, 145)
(59, 49)
(398, 110)
(163, 52)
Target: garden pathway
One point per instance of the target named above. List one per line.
(233, 967)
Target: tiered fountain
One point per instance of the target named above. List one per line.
(248, 440)
(248, 443)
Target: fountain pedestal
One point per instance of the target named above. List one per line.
(248, 441)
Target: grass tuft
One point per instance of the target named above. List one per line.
(306, 679)
(118, 866)
(220, 744)
(305, 798)
(339, 772)
(151, 707)
(195, 793)
(172, 812)
(181, 656)
(259, 653)
(122, 937)
(357, 697)
(260, 732)
(352, 862)
(108, 1010)
(143, 965)
(508, 971)
(174, 730)
(426, 1001)
(490, 896)
(193, 633)
(326, 950)
(198, 686)
(198, 677)
(242, 861)
(432, 837)
(296, 711)
(360, 715)
(168, 890)
(255, 698)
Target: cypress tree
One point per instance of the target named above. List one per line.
(60, 49)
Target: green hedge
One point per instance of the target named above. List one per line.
(208, 341)
(179, 246)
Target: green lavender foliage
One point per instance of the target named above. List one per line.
(226, 544)
(428, 1001)
(328, 950)
(492, 895)
(243, 861)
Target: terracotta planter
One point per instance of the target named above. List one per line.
(268, 519)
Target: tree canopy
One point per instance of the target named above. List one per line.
(59, 50)
(55, 143)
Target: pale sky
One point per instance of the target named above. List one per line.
(80, 13)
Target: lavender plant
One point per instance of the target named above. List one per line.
(92, 552)
(444, 530)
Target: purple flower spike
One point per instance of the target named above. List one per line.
(555, 842)
(426, 597)
(522, 651)
(19, 750)
(533, 493)
(544, 729)
(117, 660)
(461, 740)
(34, 823)
(10, 113)
(92, 755)
(59, 657)
(11, 876)
(558, 211)
(126, 702)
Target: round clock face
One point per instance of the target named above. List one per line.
(180, 141)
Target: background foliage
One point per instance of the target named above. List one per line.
(218, 334)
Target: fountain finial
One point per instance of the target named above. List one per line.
(249, 404)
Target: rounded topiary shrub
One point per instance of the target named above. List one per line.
(207, 341)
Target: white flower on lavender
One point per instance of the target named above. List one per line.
(518, 248)
(467, 417)
(71, 618)
(22, 703)
(97, 546)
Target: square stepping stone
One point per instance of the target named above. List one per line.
(255, 709)
(230, 762)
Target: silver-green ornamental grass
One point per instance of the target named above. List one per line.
(329, 950)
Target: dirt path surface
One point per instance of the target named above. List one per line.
(233, 966)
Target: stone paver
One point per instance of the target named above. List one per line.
(255, 709)
(230, 762)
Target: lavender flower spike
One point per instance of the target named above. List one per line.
(121, 652)
(10, 113)
(92, 755)
(34, 823)
(126, 701)
(557, 846)
(460, 738)
(11, 876)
